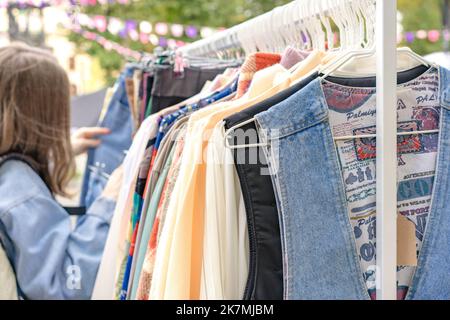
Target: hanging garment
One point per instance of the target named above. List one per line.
(417, 158)
(185, 214)
(254, 63)
(189, 197)
(145, 279)
(140, 205)
(141, 202)
(225, 245)
(144, 94)
(104, 159)
(170, 88)
(265, 280)
(114, 248)
(8, 289)
(224, 203)
(292, 56)
(129, 88)
(322, 260)
(148, 226)
(161, 167)
(133, 227)
(138, 91)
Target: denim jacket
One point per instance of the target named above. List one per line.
(51, 259)
(320, 259)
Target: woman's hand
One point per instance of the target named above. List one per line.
(85, 138)
(114, 184)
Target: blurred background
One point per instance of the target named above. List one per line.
(110, 32)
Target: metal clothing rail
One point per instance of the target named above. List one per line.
(386, 227)
(386, 164)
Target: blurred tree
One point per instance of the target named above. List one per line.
(417, 14)
(422, 14)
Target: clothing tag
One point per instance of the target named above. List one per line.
(178, 68)
(406, 242)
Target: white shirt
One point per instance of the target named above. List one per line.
(226, 248)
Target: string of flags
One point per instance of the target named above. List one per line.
(142, 32)
(430, 35)
(107, 44)
(139, 30)
(86, 3)
(25, 4)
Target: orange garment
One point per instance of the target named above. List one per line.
(253, 63)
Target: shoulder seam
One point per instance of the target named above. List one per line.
(18, 202)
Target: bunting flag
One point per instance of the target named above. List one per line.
(136, 29)
(26, 4)
(107, 44)
(87, 3)
(430, 35)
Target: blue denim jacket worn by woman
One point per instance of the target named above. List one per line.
(51, 258)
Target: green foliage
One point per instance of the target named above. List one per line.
(417, 14)
(212, 13)
(422, 14)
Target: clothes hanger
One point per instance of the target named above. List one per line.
(352, 40)
(286, 26)
(278, 36)
(361, 43)
(312, 27)
(326, 23)
(296, 27)
(407, 56)
(348, 41)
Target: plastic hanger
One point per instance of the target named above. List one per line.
(355, 25)
(326, 23)
(289, 28)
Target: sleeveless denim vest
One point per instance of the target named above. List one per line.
(320, 259)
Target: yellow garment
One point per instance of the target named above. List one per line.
(178, 263)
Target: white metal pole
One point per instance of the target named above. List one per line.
(386, 228)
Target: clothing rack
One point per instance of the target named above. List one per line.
(386, 43)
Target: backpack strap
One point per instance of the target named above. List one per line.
(20, 157)
(73, 211)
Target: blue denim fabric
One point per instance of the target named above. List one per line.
(319, 252)
(51, 258)
(104, 159)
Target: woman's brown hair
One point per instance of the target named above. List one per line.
(35, 112)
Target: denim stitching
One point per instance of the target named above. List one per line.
(434, 217)
(284, 203)
(287, 284)
(444, 88)
(429, 236)
(344, 221)
(293, 129)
